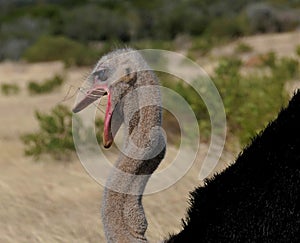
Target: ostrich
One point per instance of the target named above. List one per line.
(256, 199)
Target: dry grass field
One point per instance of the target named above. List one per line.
(57, 201)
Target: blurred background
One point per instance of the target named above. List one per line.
(250, 49)
(84, 26)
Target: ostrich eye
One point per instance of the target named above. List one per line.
(102, 74)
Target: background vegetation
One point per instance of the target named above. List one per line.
(45, 87)
(76, 25)
(55, 136)
(78, 32)
(10, 89)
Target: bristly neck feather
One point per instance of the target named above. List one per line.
(144, 148)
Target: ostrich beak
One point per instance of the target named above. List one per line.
(92, 95)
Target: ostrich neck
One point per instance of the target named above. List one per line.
(144, 147)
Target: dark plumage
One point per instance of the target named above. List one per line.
(257, 199)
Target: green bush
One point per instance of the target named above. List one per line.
(87, 20)
(228, 69)
(252, 101)
(228, 26)
(61, 48)
(45, 87)
(55, 136)
(10, 89)
(269, 60)
(286, 68)
(243, 48)
(298, 50)
(193, 99)
(283, 68)
(201, 46)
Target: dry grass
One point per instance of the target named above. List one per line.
(282, 44)
(49, 201)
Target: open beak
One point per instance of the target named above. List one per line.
(92, 95)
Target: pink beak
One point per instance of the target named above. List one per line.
(89, 98)
(94, 94)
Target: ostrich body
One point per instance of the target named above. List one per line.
(257, 199)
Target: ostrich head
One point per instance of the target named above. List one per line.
(115, 75)
(134, 100)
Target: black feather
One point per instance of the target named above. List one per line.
(256, 199)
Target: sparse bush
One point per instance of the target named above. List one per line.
(10, 89)
(250, 101)
(228, 68)
(54, 136)
(61, 48)
(45, 87)
(201, 46)
(283, 68)
(228, 26)
(298, 50)
(243, 48)
(286, 68)
(193, 99)
(269, 59)
(248, 112)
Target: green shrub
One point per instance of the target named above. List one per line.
(286, 68)
(228, 69)
(251, 101)
(243, 48)
(45, 87)
(61, 48)
(10, 89)
(54, 136)
(298, 50)
(269, 59)
(228, 26)
(193, 99)
(201, 46)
